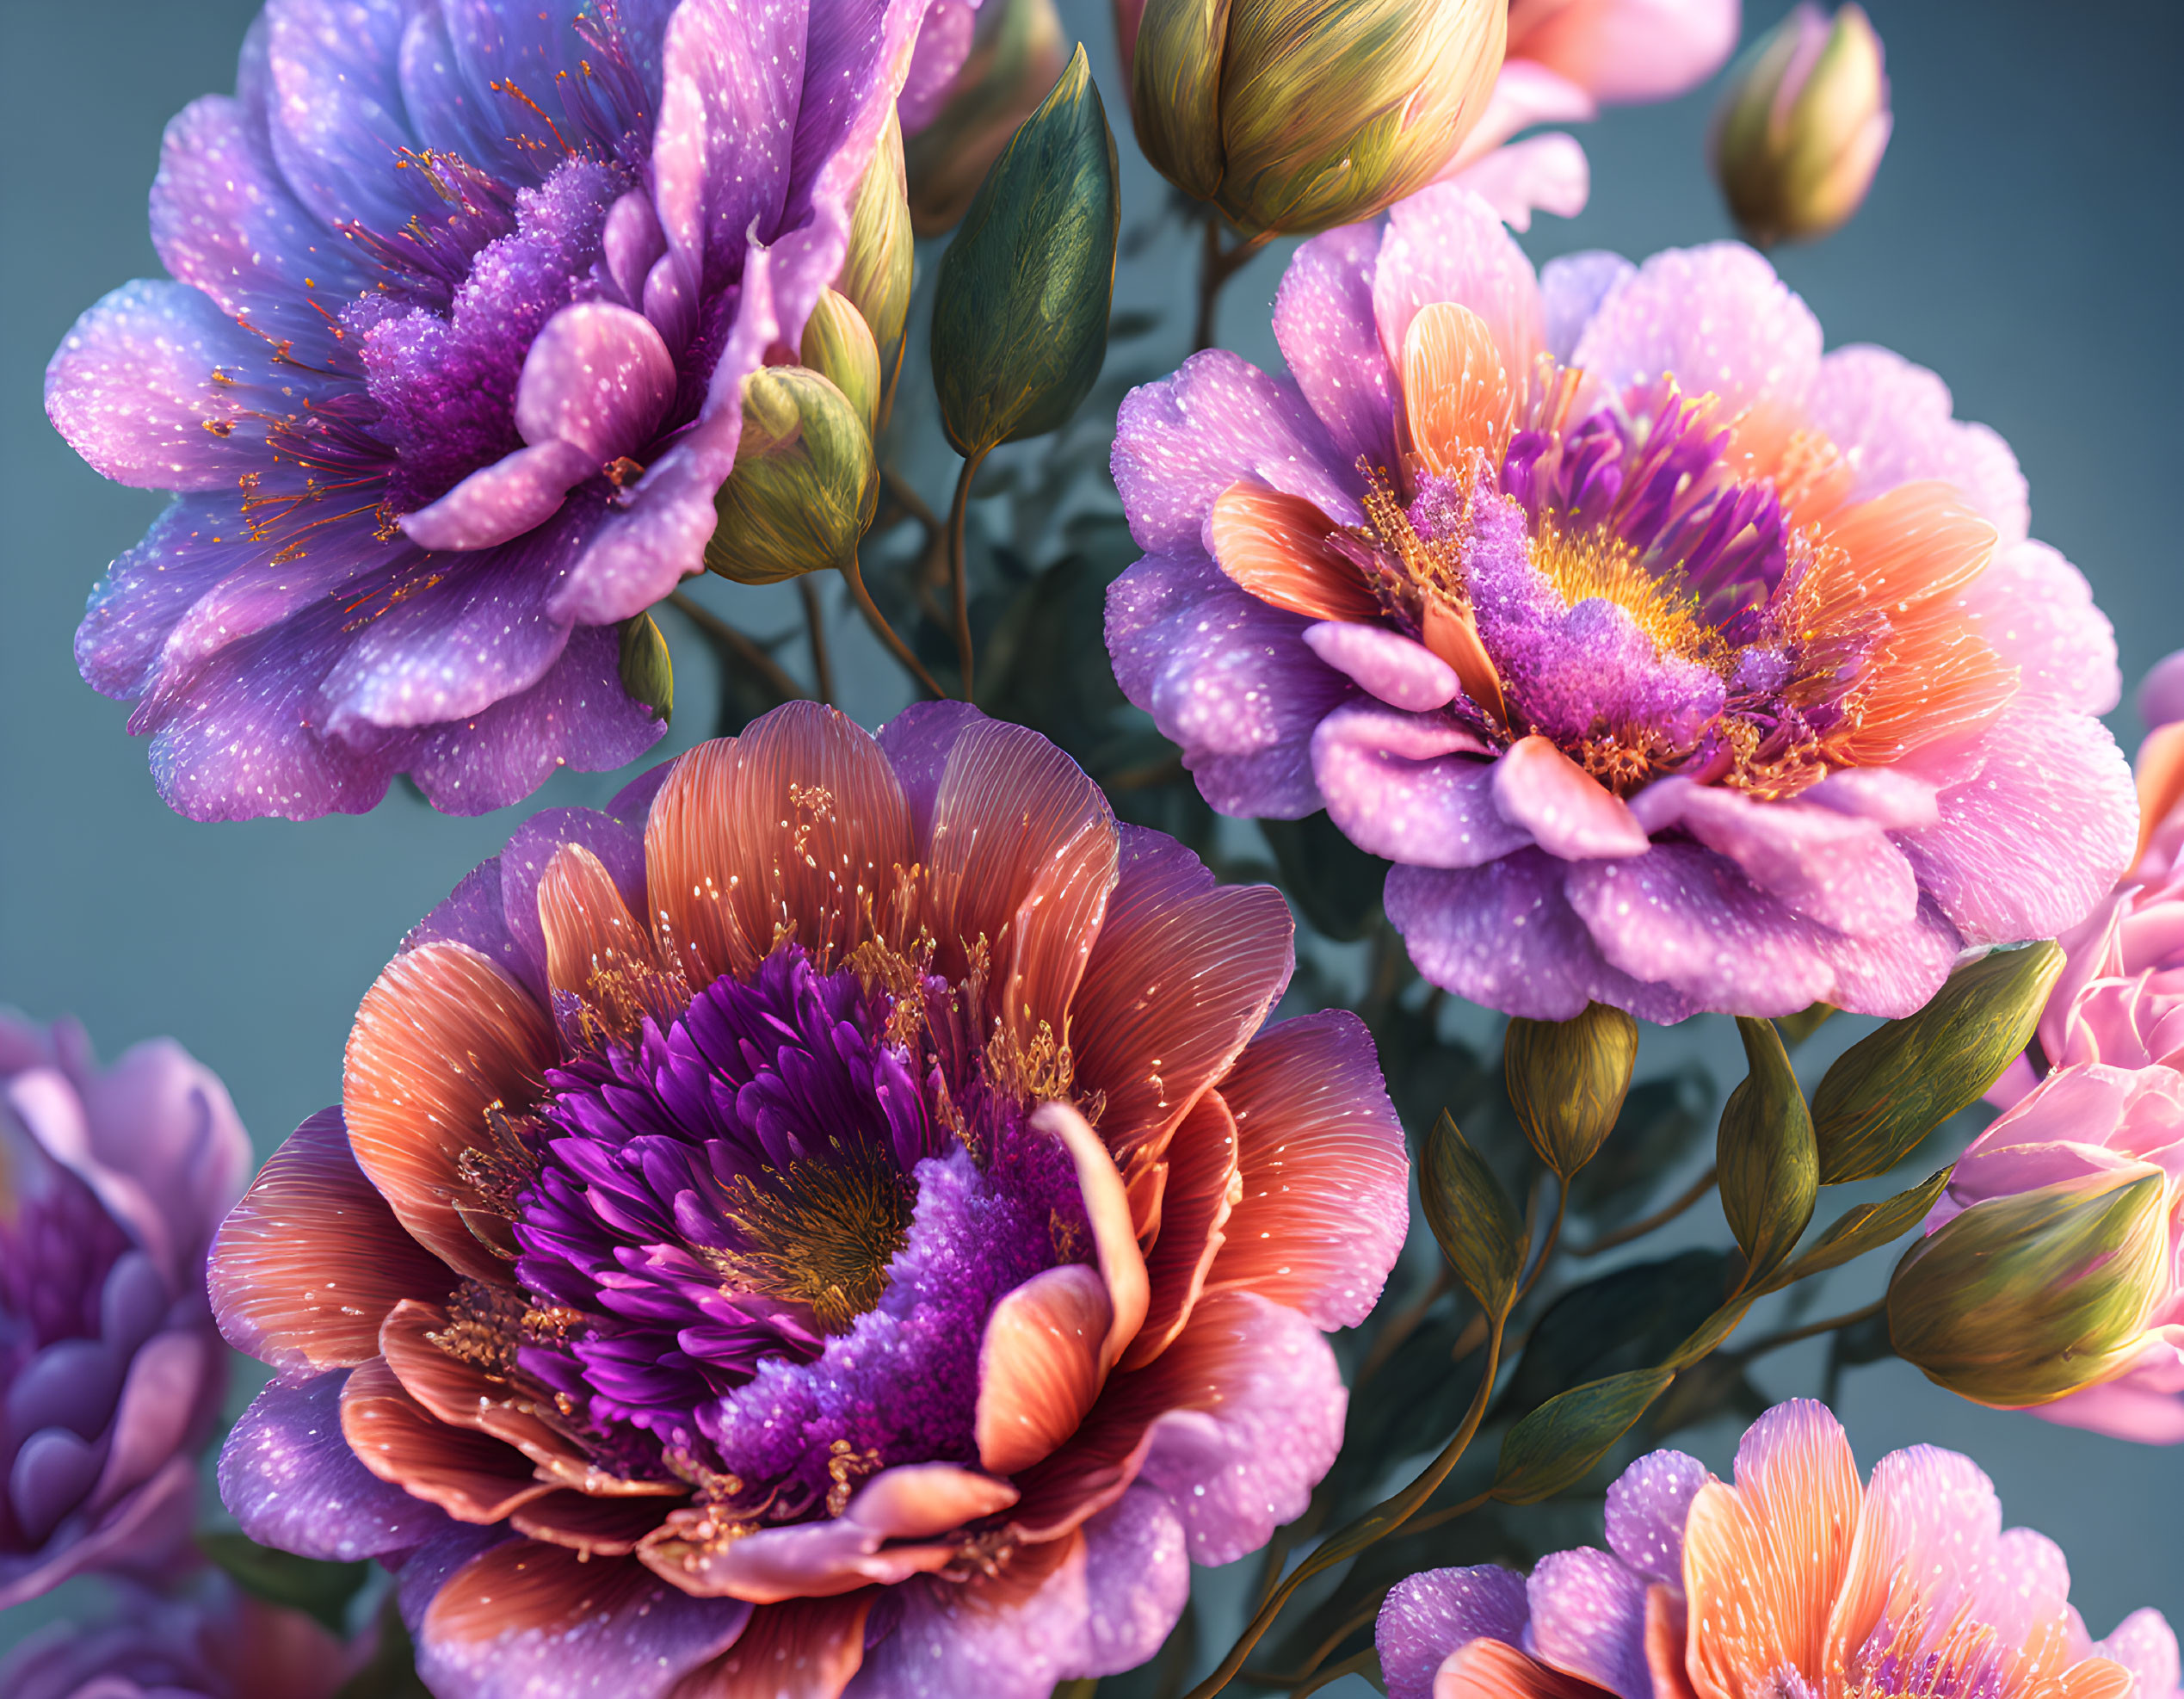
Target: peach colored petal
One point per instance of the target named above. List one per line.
(1203, 1187)
(2160, 768)
(1664, 1643)
(471, 1476)
(1490, 1669)
(1452, 636)
(1039, 1366)
(806, 1648)
(1764, 1559)
(1275, 546)
(1021, 858)
(919, 1500)
(2092, 1678)
(527, 1585)
(1122, 1265)
(466, 1397)
(1325, 1175)
(442, 1037)
(589, 928)
(1457, 398)
(1183, 972)
(797, 828)
(596, 1527)
(311, 1260)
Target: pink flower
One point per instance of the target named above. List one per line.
(1675, 665)
(1566, 60)
(1797, 1581)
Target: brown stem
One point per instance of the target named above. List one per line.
(1547, 1245)
(1420, 1524)
(1659, 1218)
(815, 626)
(1220, 265)
(739, 644)
(1304, 1682)
(1789, 1336)
(1382, 1520)
(855, 572)
(957, 576)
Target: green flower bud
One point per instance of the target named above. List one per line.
(1802, 126)
(838, 345)
(1019, 314)
(1015, 55)
(877, 270)
(2026, 1299)
(1567, 1081)
(1293, 116)
(648, 672)
(805, 485)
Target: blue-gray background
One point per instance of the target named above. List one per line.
(2022, 239)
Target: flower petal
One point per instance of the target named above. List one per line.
(799, 1649)
(1201, 1188)
(1445, 243)
(1400, 670)
(1039, 1366)
(472, 1476)
(1543, 793)
(1410, 788)
(1715, 318)
(1438, 1611)
(1588, 1620)
(1647, 1507)
(1323, 321)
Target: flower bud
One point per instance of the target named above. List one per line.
(1233, 100)
(1567, 1081)
(838, 345)
(805, 485)
(1801, 129)
(647, 670)
(2028, 1298)
(1015, 56)
(877, 269)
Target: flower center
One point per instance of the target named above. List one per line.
(821, 1234)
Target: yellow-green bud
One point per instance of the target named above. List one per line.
(1802, 126)
(838, 345)
(2026, 1299)
(1567, 1081)
(647, 670)
(1293, 116)
(876, 270)
(1015, 55)
(805, 485)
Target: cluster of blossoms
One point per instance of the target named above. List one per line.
(837, 1204)
(1674, 664)
(1795, 1581)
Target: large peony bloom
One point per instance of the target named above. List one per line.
(889, 1257)
(215, 1643)
(1796, 1581)
(1677, 666)
(111, 1185)
(1566, 60)
(452, 372)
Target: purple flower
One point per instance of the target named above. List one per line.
(111, 1185)
(452, 372)
(1797, 1581)
(1677, 665)
(213, 1643)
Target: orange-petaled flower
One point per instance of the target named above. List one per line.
(833, 1219)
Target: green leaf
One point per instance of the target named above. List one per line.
(1478, 1227)
(1334, 885)
(321, 1590)
(1567, 1081)
(1770, 1174)
(1889, 1091)
(1019, 314)
(1554, 1447)
(1712, 1332)
(1864, 1228)
(648, 671)
(1631, 1318)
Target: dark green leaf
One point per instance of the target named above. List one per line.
(1568, 1079)
(1864, 1228)
(1631, 1319)
(321, 1590)
(1553, 1448)
(1889, 1091)
(648, 672)
(1478, 1227)
(1712, 1332)
(1019, 314)
(1770, 1175)
(1334, 885)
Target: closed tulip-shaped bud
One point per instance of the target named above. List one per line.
(2026, 1299)
(1803, 125)
(1234, 102)
(1567, 1081)
(876, 270)
(805, 485)
(1014, 57)
(838, 345)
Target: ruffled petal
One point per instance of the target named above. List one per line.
(1432, 1614)
(1412, 787)
(1647, 1510)
(1445, 243)
(1588, 1620)
(1627, 50)
(2036, 611)
(1323, 323)
(1200, 1187)
(1715, 318)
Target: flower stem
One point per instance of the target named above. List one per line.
(956, 575)
(1547, 1245)
(815, 626)
(855, 572)
(1305, 1682)
(745, 647)
(1659, 1218)
(1220, 265)
(1376, 1524)
(1790, 1336)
